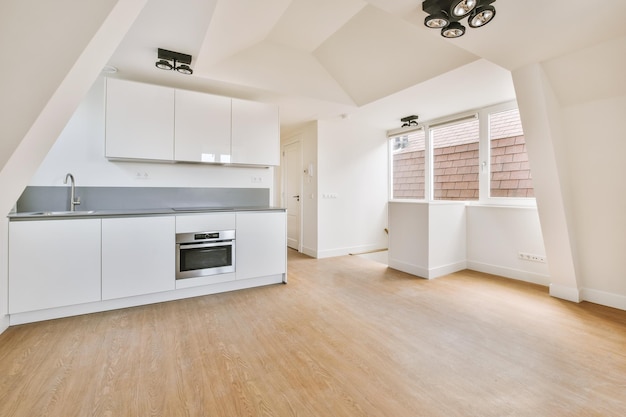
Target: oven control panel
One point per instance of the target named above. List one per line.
(204, 236)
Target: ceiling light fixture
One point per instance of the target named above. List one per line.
(446, 15)
(409, 121)
(180, 62)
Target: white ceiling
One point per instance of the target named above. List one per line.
(375, 59)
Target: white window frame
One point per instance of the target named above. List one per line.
(484, 155)
(484, 179)
(399, 132)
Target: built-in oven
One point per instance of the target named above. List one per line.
(205, 253)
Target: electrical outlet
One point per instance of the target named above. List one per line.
(531, 257)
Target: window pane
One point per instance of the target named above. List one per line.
(455, 157)
(510, 171)
(408, 165)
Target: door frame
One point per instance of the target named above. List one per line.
(290, 141)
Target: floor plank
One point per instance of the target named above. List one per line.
(346, 337)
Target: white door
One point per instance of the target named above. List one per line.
(292, 191)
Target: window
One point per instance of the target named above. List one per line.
(472, 157)
(455, 157)
(509, 170)
(408, 165)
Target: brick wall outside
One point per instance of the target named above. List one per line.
(510, 171)
(408, 168)
(456, 172)
(456, 164)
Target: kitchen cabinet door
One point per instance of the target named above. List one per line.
(53, 263)
(255, 134)
(191, 223)
(138, 256)
(261, 244)
(139, 121)
(202, 127)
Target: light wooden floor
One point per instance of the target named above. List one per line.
(345, 337)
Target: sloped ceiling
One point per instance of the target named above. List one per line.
(323, 58)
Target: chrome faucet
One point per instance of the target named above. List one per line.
(74, 201)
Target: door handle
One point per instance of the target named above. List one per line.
(297, 197)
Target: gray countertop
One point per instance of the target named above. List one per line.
(56, 215)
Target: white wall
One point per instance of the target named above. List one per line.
(409, 243)
(447, 237)
(307, 136)
(564, 103)
(585, 98)
(80, 150)
(546, 145)
(427, 239)
(37, 103)
(352, 168)
(4, 275)
(596, 151)
(496, 235)
(437, 238)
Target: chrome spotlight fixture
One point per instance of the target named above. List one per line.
(447, 14)
(179, 62)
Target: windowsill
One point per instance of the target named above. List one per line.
(517, 203)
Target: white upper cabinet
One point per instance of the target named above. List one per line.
(255, 133)
(151, 122)
(139, 121)
(202, 127)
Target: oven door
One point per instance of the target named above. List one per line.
(206, 258)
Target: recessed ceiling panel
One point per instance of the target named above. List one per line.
(397, 7)
(376, 54)
(308, 23)
(570, 77)
(236, 25)
(477, 84)
(281, 69)
(531, 31)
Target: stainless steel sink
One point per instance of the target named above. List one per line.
(59, 213)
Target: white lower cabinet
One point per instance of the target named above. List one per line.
(53, 264)
(261, 244)
(138, 256)
(61, 267)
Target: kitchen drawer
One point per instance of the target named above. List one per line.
(205, 222)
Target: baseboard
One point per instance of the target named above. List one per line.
(416, 270)
(99, 306)
(309, 252)
(565, 293)
(604, 298)
(347, 251)
(440, 271)
(512, 273)
(4, 323)
(427, 273)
